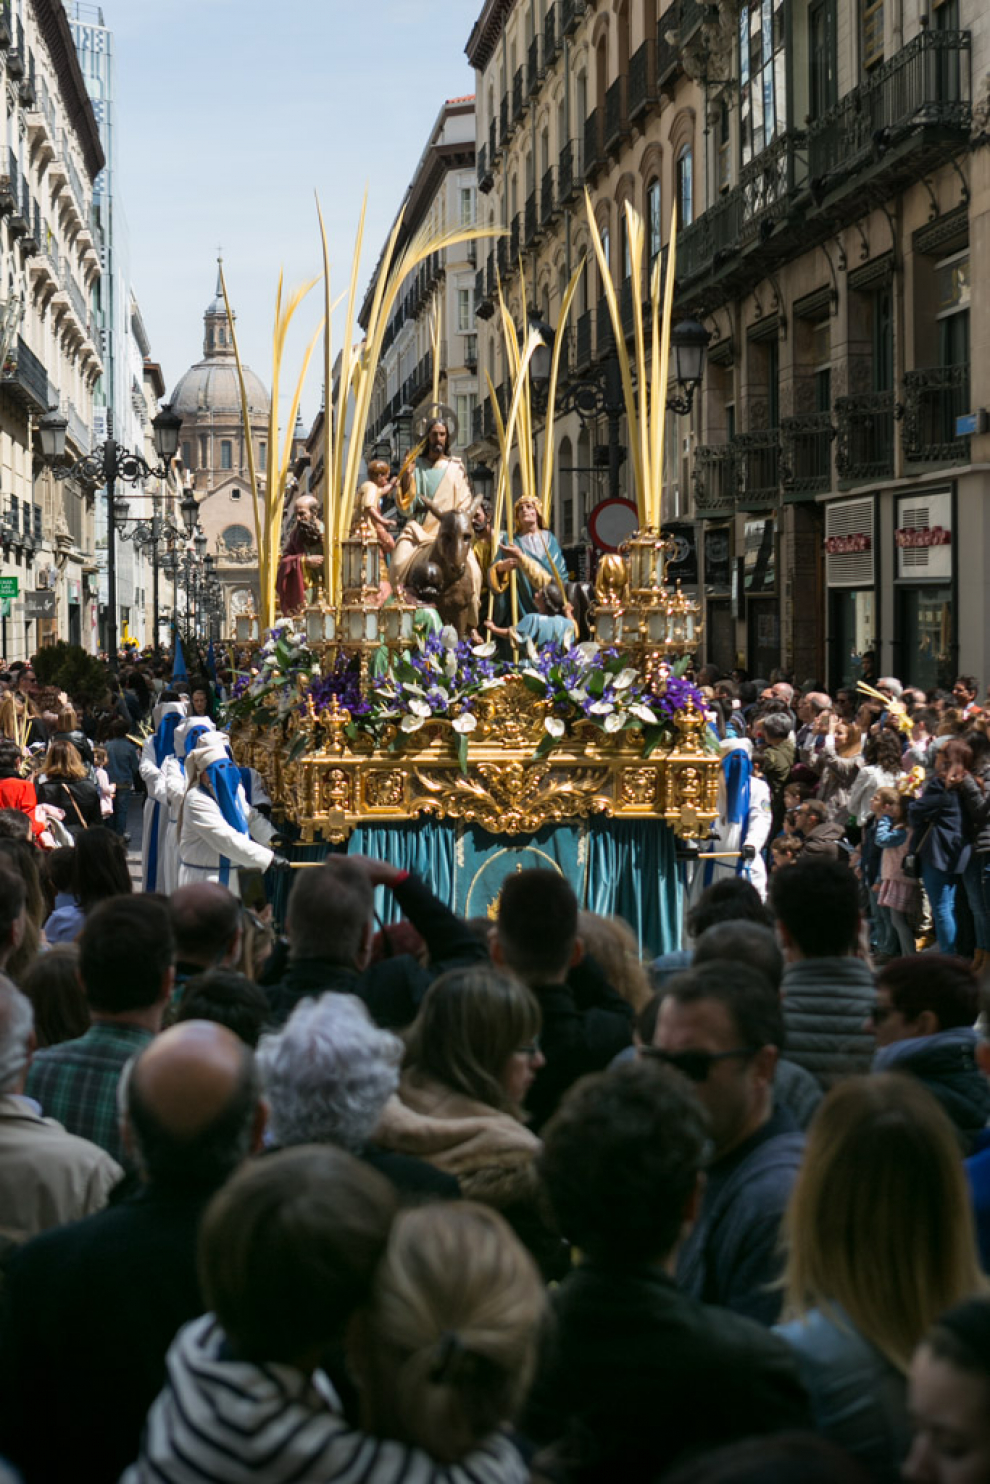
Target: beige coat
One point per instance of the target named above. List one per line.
(47, 1176)
(491, 1154)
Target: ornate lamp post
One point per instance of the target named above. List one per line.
(107, 464)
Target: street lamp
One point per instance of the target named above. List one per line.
(152, 536)
(189, 510)
(108, 463)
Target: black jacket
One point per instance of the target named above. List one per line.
(77, 796)
(80, 742)
(89, 1311)
(393, 988)
(638, 1373)
(582, 1031)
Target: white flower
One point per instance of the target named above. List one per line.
(450, 664)
(624, 679)
(586, 652)
(601, 708)
(645, 713)
(448, 636)
(615, 722)
(555, 726)
(411, 723)
(420, 708)
(413, 689)
(492, 684)
(464, 723)
(578, 694)
(484, 651)
(532, 651)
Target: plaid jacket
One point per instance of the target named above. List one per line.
(76, 1081)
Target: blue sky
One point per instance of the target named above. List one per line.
(231, 113)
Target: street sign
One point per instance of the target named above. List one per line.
(970, 423)
(612, 522)
(9, 587)
(40, 604)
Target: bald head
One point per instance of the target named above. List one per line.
(206, 921)
(192, 1107)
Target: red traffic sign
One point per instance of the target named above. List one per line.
(612, 522)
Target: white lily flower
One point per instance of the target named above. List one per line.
(578, 694)
(587, 651)
(484, 651)
(645, 713)
(492, 684)
(464, 723)
(420, 708)
(411, 723)
(615, 722)
(555, 726)
(450, 664)
(532, 651)
(601, 708)
(448, 636)
(624, 679)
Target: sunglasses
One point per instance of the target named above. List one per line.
(697, 1065)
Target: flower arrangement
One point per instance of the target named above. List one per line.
(269, 692)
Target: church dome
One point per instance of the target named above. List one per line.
(212, 385)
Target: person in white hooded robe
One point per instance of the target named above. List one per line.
(165, 718)
(219, 832)
(743, 825)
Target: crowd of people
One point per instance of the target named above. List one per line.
(494, 1200)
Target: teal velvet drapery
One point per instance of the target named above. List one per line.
(621, 867)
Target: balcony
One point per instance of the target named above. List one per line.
(519, 96)
(888, 129)
(806, 454)
(531, 222)
(548, 209)
(6, 25)
(482, 305)
(583, 349)
(485, 177)
(865, 441)
(482, 422)
(642, 88)
(492, 143)
(758, 466)
(933, 398)
(571, 12)
(24, 378)
(503, 120)
(551, 38)
(515, 241)
(594, 152)
(604, 336)
(715, 481)
(15, 63)
(569, 172)
(534, 72)
(471, 352)
(502, 260)
(616, 124)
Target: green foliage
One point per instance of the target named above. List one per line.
(68, 667)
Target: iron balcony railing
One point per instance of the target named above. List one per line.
(515, 241)
(616, 128)
(533, 70)
(758, 463)
(715, 480)
(547, 199)
(933, 398)
(642, 89)
(594, 153)
(551, 40)
(492, 141)
(503, 119)
(518, 93)
(926, 83)
(484, 173)
(569, 171)
(806, 453)
(531, 218)
(479, 290)
(570, 15)
(865, 437)
(23, 371)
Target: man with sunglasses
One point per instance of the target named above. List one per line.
(721, 1024)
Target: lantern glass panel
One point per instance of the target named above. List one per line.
(371, 624)
(605, 626)
(406, 626)
(656, 626)
(314, 626)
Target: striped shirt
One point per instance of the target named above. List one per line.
(225, 1421)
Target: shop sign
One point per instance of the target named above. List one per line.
(909, 536)
(854, 541)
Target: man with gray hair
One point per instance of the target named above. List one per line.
(327, 1076)
(47, 1177)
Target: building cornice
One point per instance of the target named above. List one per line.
(487, 29)
(53, 23)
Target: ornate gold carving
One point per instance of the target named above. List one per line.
(639, 787)
(337, 790)
(385, 790)
(514, 798)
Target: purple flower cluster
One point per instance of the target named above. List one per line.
(675, 697)
(344, 682)
(239, 687)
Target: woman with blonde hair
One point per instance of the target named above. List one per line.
(612, 944)
(20, 720)
(67, 729)
(64, 782)
(879, 1239)
(444, 1354)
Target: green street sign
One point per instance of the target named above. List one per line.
(10, 587)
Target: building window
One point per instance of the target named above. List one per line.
(624, 241)
(762, 76)
(463, 310)
(653, 218)
(685, 186)
(262, 456)
(235, 494)
(871, 15)
(37, 523)
(187, 455)
(822, 90)
(464, 407)
(237, 539)
(467, 207)
(204, 462)
(226, 454)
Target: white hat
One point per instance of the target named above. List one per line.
(211, 748)
(167, 708)
(185, 727)
(733, 744)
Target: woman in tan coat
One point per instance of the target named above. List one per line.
(471, 1056)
